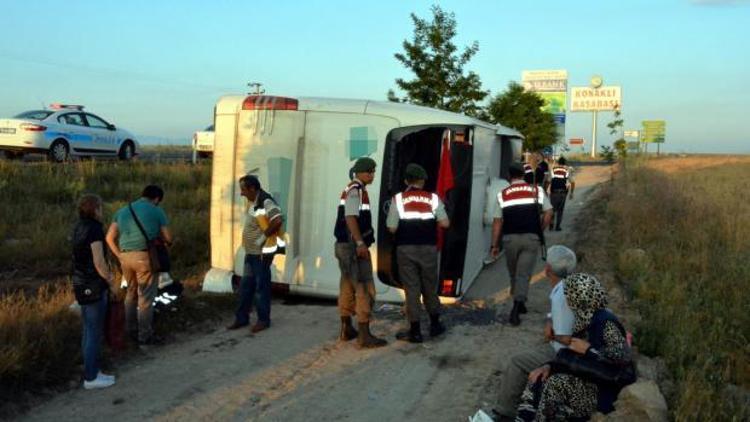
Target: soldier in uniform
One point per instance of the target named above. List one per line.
(414, 217)
(518, 221)
(562, 178)
(354, 235)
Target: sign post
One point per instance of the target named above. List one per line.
(595, 98)
(654, 131)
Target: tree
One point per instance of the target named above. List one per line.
(615, 126)
(522, 111)
(438, 68)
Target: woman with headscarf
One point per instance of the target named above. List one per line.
(553, 394)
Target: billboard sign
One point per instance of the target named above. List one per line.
(605, 98)
(576, 141)
(552, 87)
(545, 80)
(654, 131)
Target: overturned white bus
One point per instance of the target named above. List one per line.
(302, 150)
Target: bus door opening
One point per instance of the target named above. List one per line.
(425, 146)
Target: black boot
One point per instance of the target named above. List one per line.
(347, 330)
(514, 319)
(365, 339)
(413, 335)
(436, 328)
(522, 308)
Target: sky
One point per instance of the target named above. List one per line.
(158, 68)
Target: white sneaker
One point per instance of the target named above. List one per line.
(105, 376)
(98, 382)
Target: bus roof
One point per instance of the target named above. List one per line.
(406, 114)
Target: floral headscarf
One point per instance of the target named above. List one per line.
(585, 295)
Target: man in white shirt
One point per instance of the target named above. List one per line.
(558, 330)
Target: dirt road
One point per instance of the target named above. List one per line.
(298, 371)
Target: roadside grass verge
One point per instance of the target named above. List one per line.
(680, 247)
(38, 209)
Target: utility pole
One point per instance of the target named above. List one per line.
(257, 86)
(593, 135)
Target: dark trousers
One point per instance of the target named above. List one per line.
(92, 317)
(257, 277)
(558, 205)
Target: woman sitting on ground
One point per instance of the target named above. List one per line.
(91, 279)
(555, 395)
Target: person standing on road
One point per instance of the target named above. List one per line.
(414, 217)
(91, 281)
(558, 330)
(354, 235)
(562, 178)
(536, 170)
(261, 238)
(128, 243)
(517, 220)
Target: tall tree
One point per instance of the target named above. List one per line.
(522, 111)
(439, 80)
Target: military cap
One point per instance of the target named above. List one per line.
(415, 172)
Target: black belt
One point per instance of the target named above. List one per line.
(134, 250)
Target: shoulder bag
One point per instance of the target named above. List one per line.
(151, 245)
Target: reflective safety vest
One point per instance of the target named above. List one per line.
(531, 175)
(560, 176)
(275, 243)
(364, 219)
(520, 203)
(416, 212)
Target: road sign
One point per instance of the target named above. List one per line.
(633, 146)
(654, 131)
(559, 118)
(606, 98)
(576, 141)
(631, 133)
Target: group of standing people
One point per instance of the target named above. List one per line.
(538, 385)
(414, 217)
(133, 228)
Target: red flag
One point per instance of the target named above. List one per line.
(444, 182)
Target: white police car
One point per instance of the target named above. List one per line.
(64, 131)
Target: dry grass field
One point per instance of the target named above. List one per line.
(39, 337)
(680, 241)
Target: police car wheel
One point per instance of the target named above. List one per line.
(126, 151)
(59, 151)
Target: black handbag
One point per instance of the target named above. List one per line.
(87, 291)
(594, 367)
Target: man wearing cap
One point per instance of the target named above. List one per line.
(261, 238)
(354, 235)
(517, 220)
(562, 179)
(414, 216)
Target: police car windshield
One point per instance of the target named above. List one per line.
(34, 114)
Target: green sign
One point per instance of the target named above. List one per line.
(654, 131)
(554, 102)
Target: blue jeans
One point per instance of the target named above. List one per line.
(257, 278)
(92, 316)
